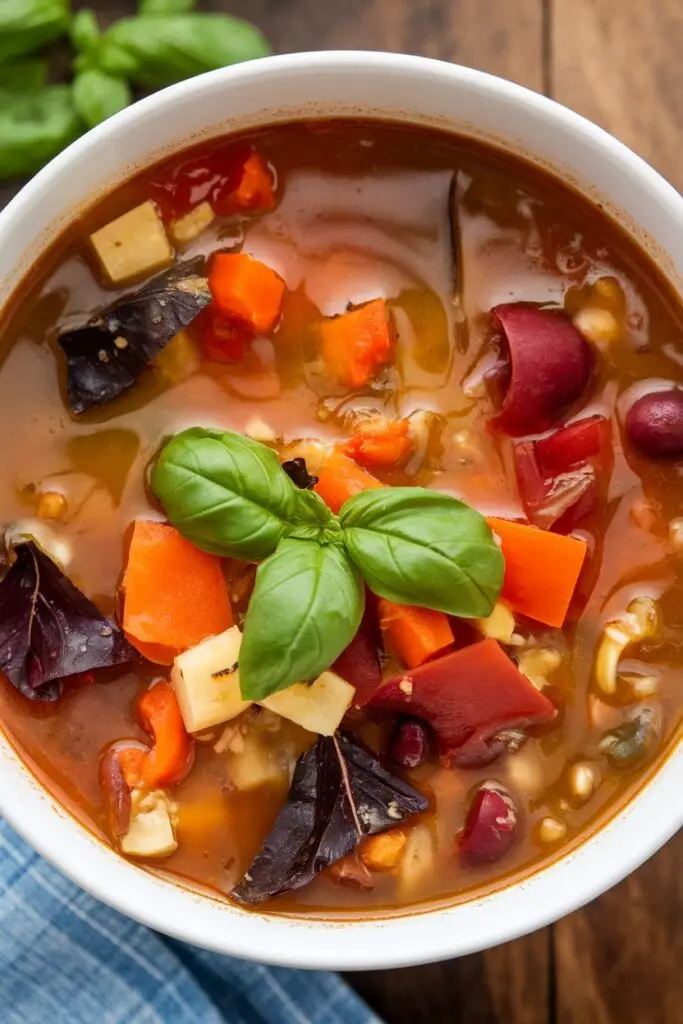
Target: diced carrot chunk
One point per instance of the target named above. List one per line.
(174, 594)
(357, 343)
(246, 289)
(380, 443)
(340, 478)
(541, 570)
(415, 634)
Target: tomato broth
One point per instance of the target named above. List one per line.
(386, 297)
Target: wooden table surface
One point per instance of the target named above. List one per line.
(619, 960)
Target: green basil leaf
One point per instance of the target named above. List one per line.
(84, 31)
(154, 7)
(423, 548)
(306, 607)
(24, 78)
(26, 25)
(225, 493)
(33, 129)
(170, 49)
(98, 95)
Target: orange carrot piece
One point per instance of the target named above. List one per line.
(172, 755)
(356, 344)
(340, 478)
(246, 289)
(541, 570)
(255, 190)
(414, 634)
(174, 594)
(380, 443)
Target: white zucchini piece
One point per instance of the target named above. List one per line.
(208, 692)
(256, 763)
(499, 625)
(133, 245)
(418, 859)
(150, 833)
(186, 229)
(318, 707)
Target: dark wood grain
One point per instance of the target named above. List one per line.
(619, 960)
(619, 63)
(494, 35)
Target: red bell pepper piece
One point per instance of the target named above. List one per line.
(172, 755)
(576, 444)
(359, 663)
(557, 476)
(467, 697)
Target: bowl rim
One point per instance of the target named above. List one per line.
(600, 861)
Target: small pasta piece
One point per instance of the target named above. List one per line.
(641, 621)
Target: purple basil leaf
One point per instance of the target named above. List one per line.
(320, 824)
(49, 630)
(106, 356)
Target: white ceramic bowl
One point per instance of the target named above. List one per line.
(407, 89)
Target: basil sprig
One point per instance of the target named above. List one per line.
(416, 546)
(230, 496)
(305, 607)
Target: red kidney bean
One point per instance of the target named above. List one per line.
(116, 791)
(550, 367)
(654, 424)
(491, 825)
(409, 744)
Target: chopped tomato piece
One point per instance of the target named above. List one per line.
(415, 634)
(356, 344)
(255, 190)
(174, 594)
(380, 443)
(246, 289)
(467, 697)
(172, 755)
(541, 570)
(340, 478)
(223, 340)
(204, 178)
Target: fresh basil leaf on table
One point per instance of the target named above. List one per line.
(26, 25)
(22, 78)
(225, 493)
(155, 7)
(34, 129)
(306, 606)
(84, 31)
(419, 547)
(164, 50)
(98, 95)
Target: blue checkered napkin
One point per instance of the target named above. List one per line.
(67, 959)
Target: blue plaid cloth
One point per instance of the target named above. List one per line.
(67, 959)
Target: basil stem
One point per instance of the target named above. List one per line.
(416, 546)
(306, 607)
